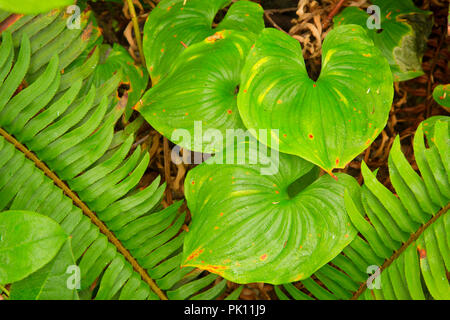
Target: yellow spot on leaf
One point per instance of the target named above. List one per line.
(266, 91)
(241, 52)
(328, 56)
(156, 79)
(299, 277)
(195, 254)
(214, 269)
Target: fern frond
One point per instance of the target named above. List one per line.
(406, 235)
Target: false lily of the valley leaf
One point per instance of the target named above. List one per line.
(200, 90)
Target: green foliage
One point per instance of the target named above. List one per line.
(329, 121)
(73, 134)
(245, 222)
(64, 155)
(32, 6)
(176, 22)
(209, 66)
(355, 86)
(407, 235)
(28, 241)
(49, 35)
(402, 37)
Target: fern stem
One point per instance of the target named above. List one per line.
(77, 201)
(137, 31)
(405, 245)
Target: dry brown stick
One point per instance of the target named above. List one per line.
(150, 3)
(281, 10)
(431, 78)
(140, 141)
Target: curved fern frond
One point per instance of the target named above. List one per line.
(403, 238)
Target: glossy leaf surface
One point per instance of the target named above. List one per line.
(33, 6)
(441, 95)
(328, 121)
(201, 87)
(28, 241)
(253, 227)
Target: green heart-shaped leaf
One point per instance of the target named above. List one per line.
(174, 24)
(51, 281)
(135, 77)
(328, 121)
(28, 241)
(33, 6)
(252, 227)
(202, 87)
(441, 95)
(403, 35)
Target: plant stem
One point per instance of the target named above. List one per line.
(137, 31)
